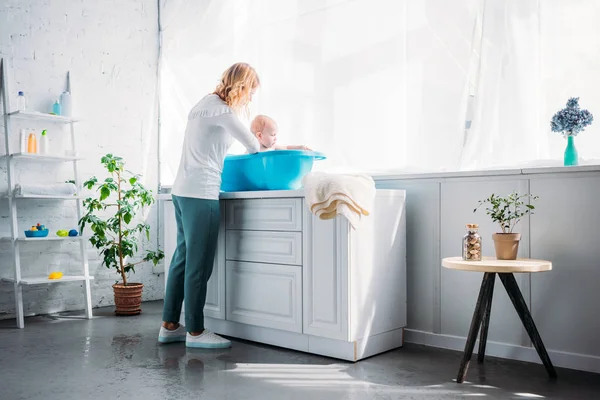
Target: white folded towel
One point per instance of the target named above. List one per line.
(350, 195)
(51, 189)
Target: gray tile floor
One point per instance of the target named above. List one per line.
(62, 357)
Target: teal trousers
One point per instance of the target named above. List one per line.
(192, 263)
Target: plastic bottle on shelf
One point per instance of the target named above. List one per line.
(32, 143)
(44, 145)
(23, 141)
(21, 102)
(66, 104)
(56, 108)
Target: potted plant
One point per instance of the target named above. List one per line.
(507, 211)
(111, 218)
(569, 122)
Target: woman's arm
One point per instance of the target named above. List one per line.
(232, 124)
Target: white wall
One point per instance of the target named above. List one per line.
(111, 49)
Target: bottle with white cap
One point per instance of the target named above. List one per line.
(66, 104)
(23, 141)
(44, 146)
(21, 102)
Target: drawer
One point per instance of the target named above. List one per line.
(264, 246)
(264, 214)
(264, 295)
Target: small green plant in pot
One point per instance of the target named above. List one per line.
(507, 212)
(111, 218)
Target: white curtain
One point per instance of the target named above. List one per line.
(528, 58)
(391, 84)
(505, 83)
(570, 67)
(333, 72)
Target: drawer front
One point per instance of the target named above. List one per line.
(264, 214)
(264, 246)
(264, 295)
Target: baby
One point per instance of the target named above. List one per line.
(265, 129)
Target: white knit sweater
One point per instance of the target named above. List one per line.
(212, 125)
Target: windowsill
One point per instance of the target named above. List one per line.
(399, 175)
(406, 175)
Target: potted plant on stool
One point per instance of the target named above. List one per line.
(507, 211)
(110, 216)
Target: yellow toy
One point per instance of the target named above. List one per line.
(55, 275)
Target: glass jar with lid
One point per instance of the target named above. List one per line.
(472, 244)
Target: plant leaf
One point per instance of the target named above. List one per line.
(104, 193)
(90, 182)
(507, 211)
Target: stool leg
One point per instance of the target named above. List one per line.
(485, 325)
(512, 288)
(484, 296)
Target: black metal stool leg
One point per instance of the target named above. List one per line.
(487, 286)
(512, 288)
(485, 325)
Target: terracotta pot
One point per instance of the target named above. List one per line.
(128, 299)
(507, 245)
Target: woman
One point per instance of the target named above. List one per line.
(212, 125)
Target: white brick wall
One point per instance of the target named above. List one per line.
(110, 47)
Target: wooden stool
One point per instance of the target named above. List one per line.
(481, 316)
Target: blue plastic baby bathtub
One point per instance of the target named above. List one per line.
(269, 170)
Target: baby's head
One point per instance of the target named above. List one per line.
(265, 130)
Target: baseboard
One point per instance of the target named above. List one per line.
(358, 350)
(349, 351)
(259, 334)
(582, 362)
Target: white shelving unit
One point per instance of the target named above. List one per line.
(43, 239)
(39, 157)
(44, 197)
(38, 116)
(15, 239)
(43, 280)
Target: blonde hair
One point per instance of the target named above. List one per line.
(260, 122)
(236, 86)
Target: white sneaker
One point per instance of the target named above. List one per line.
(167, 336)
(207, 340)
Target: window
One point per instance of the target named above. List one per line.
(384, 84)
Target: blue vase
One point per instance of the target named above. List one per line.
(571, 156)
